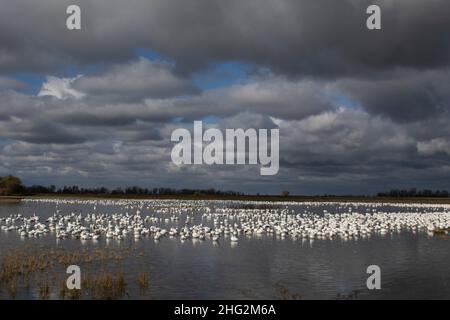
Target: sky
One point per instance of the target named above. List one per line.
(359, 111)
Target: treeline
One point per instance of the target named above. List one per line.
(12, 186)
(135, 190)
(411, 193)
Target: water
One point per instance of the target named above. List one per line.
(414, 265)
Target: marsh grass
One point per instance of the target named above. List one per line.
(284, 293)
(348, 296)
(74, 294)
(62, 290)
(105, 285)
(12, 288)
(44, 290)
(43, 271)
(23, 263)
(143, 281)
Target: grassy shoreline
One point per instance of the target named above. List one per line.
(15, 199)
(10, 199)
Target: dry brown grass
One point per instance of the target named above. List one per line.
(12, 288)
(43, 269)
(23, 263)
(105, 285)
(62, 289)
(284, 293)
(348, 296)
(44, 290)
(143, 281)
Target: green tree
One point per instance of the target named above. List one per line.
(10, 185)
(285, 193)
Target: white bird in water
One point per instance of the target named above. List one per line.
(210, 220)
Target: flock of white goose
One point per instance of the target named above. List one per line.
(221, 220)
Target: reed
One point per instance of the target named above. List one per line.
(104, 286)
(12, 288)
(62, 290)
(44, 290)
(143, 281)
(120, 284)
(74, 294)
(284, 293)
(42, 270)
(348, 296)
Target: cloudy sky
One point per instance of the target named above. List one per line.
(359, 111)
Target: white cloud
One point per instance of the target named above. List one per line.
(438, 145)
(60, 88)
(136, 80)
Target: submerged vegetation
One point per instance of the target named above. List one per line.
(143, 281)
(284, 293)
(40, 273)
(171, 236)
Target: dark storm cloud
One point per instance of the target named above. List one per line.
(67, 102)
(270, 96)
(68, 121)
(358, 110)
(134, 81)
(34, 131)
(351, 147)
(408, 96)
(295, 37)
(45, 133)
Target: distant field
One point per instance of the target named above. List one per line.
(242, 198)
